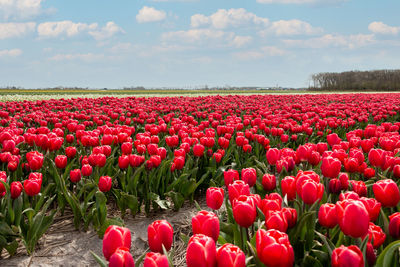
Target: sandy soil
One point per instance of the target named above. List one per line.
(62, 245)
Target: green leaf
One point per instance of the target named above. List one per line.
(177, 198)
(327, 242)
(99, 260)
(164, 204)
(387, 255)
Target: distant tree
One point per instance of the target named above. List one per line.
(374, 80)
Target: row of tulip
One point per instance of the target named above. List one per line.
(304, 152)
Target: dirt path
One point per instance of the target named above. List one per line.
(62, 245)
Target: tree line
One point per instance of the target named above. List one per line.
(374, 80)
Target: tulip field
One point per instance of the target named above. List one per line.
(288, 180)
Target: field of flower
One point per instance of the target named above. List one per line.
(289, 180)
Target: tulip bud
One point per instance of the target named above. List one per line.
(387, 192)
(115, 237)
(61, 161)
(105, 183)
(244, 211)
(201, 251)
(327, 216)
(347, 256)
(288, 186)
(394, 225)
(274, 249)
(207, 223)
(215, 197)
(15, 189)
(353, 217)
(268, 182)
(75, 175)
(230, 256)
(249, 176)
(230, 176)
(121, 258)
(160, 233)
(330, 167)
(155, 260)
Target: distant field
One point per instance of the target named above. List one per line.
(141, 92)
(27, 94)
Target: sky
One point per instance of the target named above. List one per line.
(191, 43)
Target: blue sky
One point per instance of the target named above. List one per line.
(188, 43)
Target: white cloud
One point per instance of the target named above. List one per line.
(300, 1)
(12, 30)
(330, 40)
(107, 31)
(63, 28)
(89, 57)
(240, 41)
(150, 14)
(224, 18)
(10, 53)
(266, 51)
(381, 28)
(20, 9)
(121, 47)
(273, 51)
(197, 35)
(292, 27)
(68, 28)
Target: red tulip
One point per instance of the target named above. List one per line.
(70, 152)
(249, 175)
(327, 216)
(236, 189)
(244, 211)
(290, 215)
(394, 225)
(347, 256)
(105, 183)
(276, 220)
(335, 186)
(75, 175)
(207, 223)
(198, 150)
(353, 217)
(126, 148)
(86, 170)
(32, 186)
(230, 176)
(268, 182)
(115, 237)
(359, 187)
(273, 155)
(121, 258)
(330, 167)
(201, 251)
(376, 157)
(230, 256)
(61, 161)
(15, 189)
(310, 191)
(214, 197)
(274, 249)
(373, 207)
(333, 139)
(160, 233)
(387, 192)
(288, 186)
(123, 162)
(376, 235)
(155, 260)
